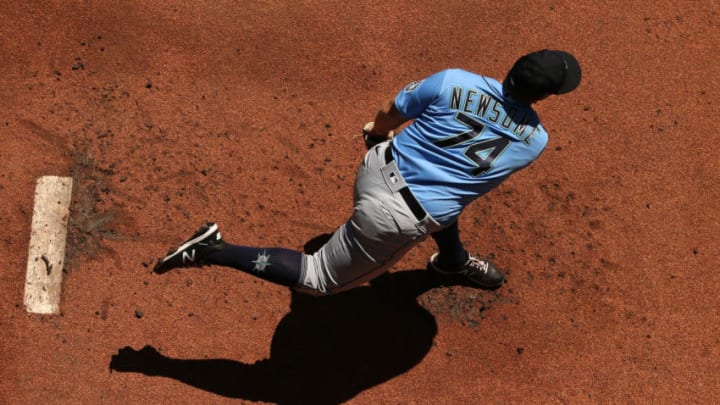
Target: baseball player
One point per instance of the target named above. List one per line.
(468, 133)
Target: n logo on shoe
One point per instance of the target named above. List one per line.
(188, 256)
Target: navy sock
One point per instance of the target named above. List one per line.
(278, 265)
(452, 254)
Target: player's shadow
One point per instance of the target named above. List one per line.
(326, 350)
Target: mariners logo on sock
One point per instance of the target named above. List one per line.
(261, 262)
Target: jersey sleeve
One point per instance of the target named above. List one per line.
(412, 100)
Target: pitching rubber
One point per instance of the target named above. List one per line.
(46, 253)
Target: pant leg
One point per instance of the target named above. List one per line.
(381, 230)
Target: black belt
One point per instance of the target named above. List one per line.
(405, 192)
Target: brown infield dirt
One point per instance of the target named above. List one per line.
(167, 114)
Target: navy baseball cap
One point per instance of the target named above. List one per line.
(544, 72)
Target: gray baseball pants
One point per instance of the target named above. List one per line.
(382, 228)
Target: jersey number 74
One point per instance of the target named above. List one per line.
(482, 153)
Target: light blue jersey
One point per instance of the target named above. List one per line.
(466, 138)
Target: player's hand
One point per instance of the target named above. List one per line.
(371, 139)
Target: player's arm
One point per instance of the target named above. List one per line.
(387, 119)
(409, 103)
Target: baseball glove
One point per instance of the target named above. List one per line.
(373, 139)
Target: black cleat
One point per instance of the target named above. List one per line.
(193, 252)
(479, 271)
